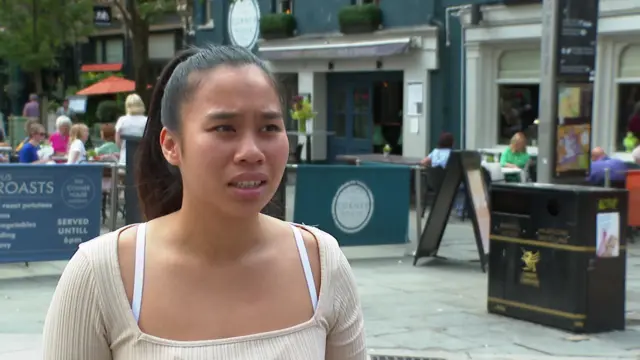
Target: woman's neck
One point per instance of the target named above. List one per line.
(211, 235)
(33, 142)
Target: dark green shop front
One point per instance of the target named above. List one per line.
(357, 102)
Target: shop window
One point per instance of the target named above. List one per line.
(289, 89)
(99, 52)
(628, 93)
(517, 112)
(207, 13)
(285, 6)
(628, 109)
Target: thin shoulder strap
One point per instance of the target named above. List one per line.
(306, 266)
(138, 276)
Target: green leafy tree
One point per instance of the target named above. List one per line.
(33, 33)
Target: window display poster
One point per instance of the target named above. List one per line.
(573, 147)
(569, 102)
(480, 205)
(415, 94)
(573, 131)
(608, 235)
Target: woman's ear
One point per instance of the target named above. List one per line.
(170, 147)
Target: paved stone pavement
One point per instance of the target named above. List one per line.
(437, 310)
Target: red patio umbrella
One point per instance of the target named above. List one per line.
(110, 85)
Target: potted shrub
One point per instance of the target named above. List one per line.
(277, 26)
(360, 18)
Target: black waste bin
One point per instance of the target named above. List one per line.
(558, 255)
(132, 211)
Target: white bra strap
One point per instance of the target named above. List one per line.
(138, 276)
(306, 266)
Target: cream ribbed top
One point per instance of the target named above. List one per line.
(90, 317)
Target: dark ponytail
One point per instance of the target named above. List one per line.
(159, 183)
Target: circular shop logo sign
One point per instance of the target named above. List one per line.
(78, 192)
(244, 23)
(352, 207)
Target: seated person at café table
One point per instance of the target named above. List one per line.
(600, 162)
(108, 149)
(28, 153)
(27, 126)
(60, 139)
(77, 137)
(515, 156)
(440, 155)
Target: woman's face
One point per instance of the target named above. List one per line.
(84, 135)
(232, 148)
(521, 144)
(64, 129)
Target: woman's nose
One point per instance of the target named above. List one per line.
(248, 151)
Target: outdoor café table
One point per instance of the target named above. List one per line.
(510, 171)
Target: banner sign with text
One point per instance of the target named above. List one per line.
(46, 211)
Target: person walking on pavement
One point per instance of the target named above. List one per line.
(32, 107)
(208, 276)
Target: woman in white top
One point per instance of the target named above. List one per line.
(132, 123)
(78, 135)
(208, 276)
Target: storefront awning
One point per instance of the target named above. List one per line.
(101, 67)
(377, 49)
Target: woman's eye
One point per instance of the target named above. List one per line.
(223, 128)
(272, 127)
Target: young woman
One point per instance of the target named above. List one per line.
(78, 135)
(208, 276)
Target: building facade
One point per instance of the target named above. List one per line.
(502, 70)
(107, 49)
(397, 81)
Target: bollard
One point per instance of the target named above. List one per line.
(357, 162)
(607, 177)
(114, 197)
(418, 190)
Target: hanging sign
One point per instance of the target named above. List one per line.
(244, 23)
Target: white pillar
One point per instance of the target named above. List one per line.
(474, 88)
(416, 144)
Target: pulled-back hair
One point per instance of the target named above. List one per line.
(160, 183)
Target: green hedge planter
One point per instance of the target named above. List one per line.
(357, 19)
(277, 26)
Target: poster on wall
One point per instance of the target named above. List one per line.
(415, 94)
(608, 234)
(573, 129)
